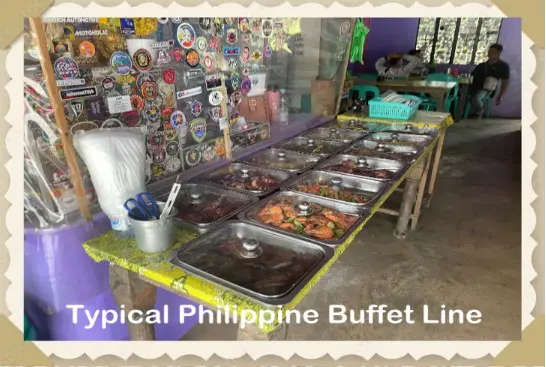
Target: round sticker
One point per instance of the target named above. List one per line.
(246, 71)
(121, 63)
(149, 91)
(179, 55)
(137, 102)
(205, 24)
(166, 114)
(244, 25)
(256, 56)
(87, 49)
(169, 76)
(66, 68)
(185, 35)
(172, 148)
(142, 59)
(158, 156)
(157, 140)
(108, 84)
(201, 43)
(235, 99)
(192, 157)
(152, 114)
(268, 51)
(246, 85)
(177, 119)
(192, 58)
(255, 80)
(208, 63)
(144, 77)
(215, 98)
(131, 118)
(173, 164)
(255, 68)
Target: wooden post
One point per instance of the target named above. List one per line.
(224, 107)
(345, 65)
(60, 118)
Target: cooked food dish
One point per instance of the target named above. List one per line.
(379, 153)
(336, 193)
(353, 168)
(258, 183)
(205, 212)
(314, 221)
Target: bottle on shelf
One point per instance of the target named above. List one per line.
(283, 108)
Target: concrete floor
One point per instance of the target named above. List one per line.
(464, 254)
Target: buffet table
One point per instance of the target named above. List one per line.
(135, 276)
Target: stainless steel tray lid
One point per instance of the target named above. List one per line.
(258, 260)
(335, 187)
(243, 177)
(333, 133)
(281, 159)
(203, 204)
(312, 146)
(352, 124)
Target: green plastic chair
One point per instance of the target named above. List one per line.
(363, 90)
(452, 98)
(30, 333)
(486, 102)
(305, 103)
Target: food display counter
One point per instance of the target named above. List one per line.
(336, 203)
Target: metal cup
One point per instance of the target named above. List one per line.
(153, 236)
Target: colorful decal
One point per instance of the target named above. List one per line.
(201, 44)
(192, 58)
(245, 55)
(215, 113)
(172, 148)
(60, 47)
(166, 114)
(231, 35)
(189, 92)
(245, 38)
(209, 153)
(256, 39)
(152, 114)
(195, 107)
(158, 170)
(70, 82)
(77, 108)
(215, 98)
(142, 60)
(192, 157)
(163, 58)
(169, 76)
(178, 119)
(268, 51)
(244, 25)
(185, 35)
(162, 45)
(218, 27)
(255, 68)
(213, 82)
(235, 80)
(179, 55)
(131, 118)
(246, 85)
(254, 79)
(205, 24)
(255, 25)
(95, 108)
(208, 62)
(198, 129)
(256, 56)
(246, 71)
(157, 141)
(67, 94)
(121, 63)
(235, 99)
(173, 165)
(344, 28)
(159, 155)
(144, 77)
(108, 83)
(111, 123)
(127, 26)
(149, 91)
(214, 47)
(87, 49)
(137, 102)
(66, 68)
(167, 92)
(233, 64)
(232, 51)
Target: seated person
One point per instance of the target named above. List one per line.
(486, 77)
(392, 66)
(423, 67)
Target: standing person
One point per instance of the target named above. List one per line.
(392, 66)
(486, 78)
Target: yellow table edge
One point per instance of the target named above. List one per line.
(181, 282)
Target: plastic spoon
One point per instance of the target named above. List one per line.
(170, 200)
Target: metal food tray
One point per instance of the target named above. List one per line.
(244, 228)
(357, 125)
(204, 227)
(306, 142)
(280, 175)
(364, 185)
(397, 138)
(394, 166)
(343, 135)
(273, 153)
(300, 198)
(412, 129)
(389, 151)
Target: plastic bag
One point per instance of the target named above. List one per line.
(116, 159)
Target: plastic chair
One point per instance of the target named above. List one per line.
(452, 97)
(486, 102)
(363, 90)
(306, 103)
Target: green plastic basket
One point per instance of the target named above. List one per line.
(393, 110)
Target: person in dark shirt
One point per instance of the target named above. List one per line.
(486, 77)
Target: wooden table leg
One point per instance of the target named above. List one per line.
(435, 166)
(408, 199)
(253, 332)
(420, 194)
(462, 101)
(134, 294)
(440, 99)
